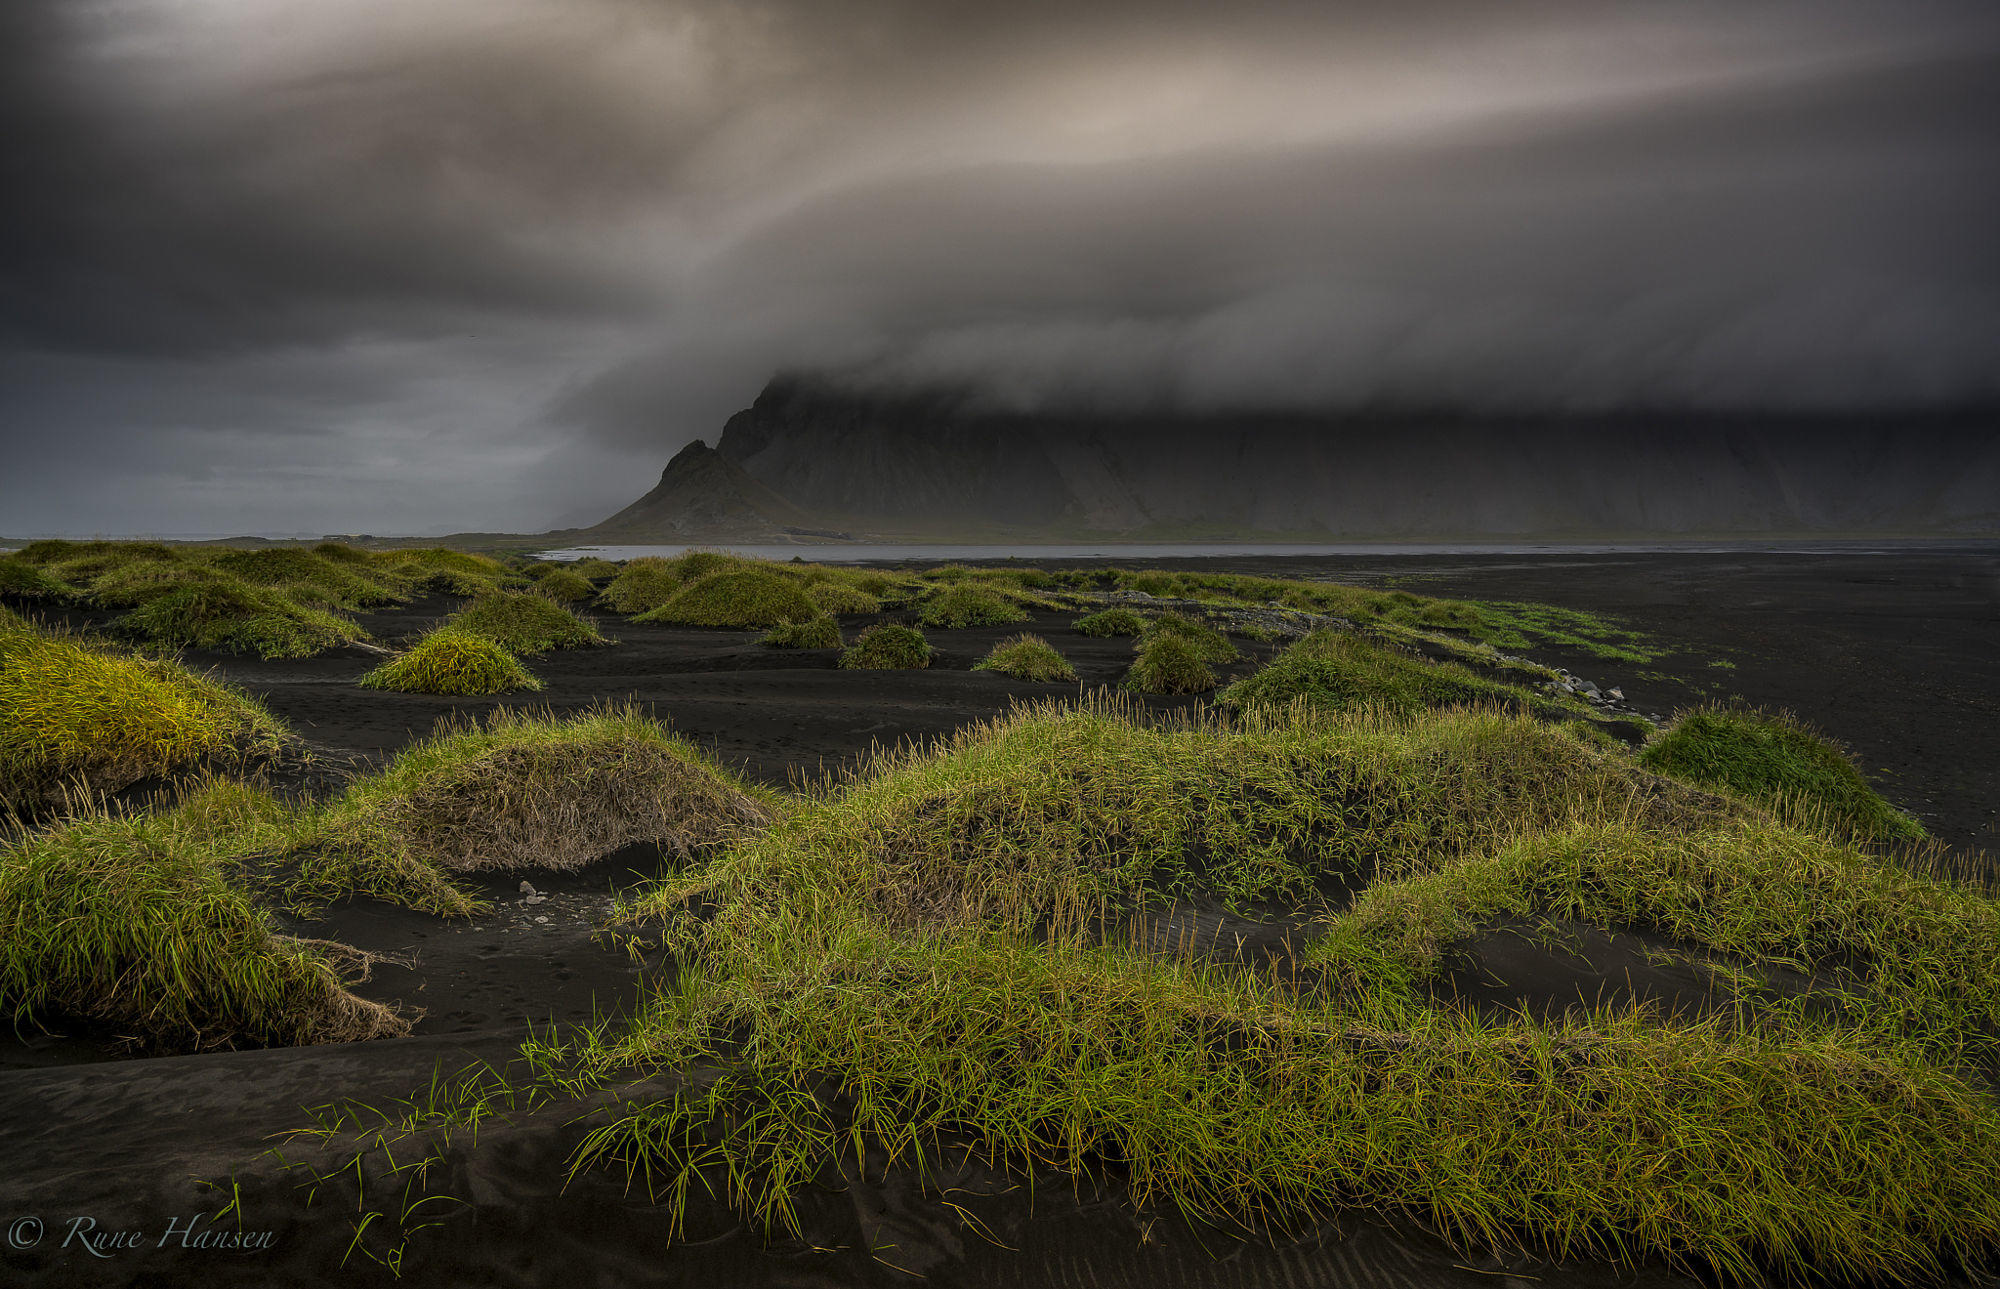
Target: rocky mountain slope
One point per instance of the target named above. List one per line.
(809, 455)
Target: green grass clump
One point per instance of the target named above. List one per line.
(525, 622)
(1779, 762)
(21, 581)
(1340, 669)
(441, 571)
(1925, 956)
(814, 633)
(133, 923)
(1111, 622)
(230, 617)
(642, 584)
(79, 714)
(1168, 663)
(452, 661)
(963, 604)
(340, 582)
(924, 961)
(839, 597)
(1027, 657)
(888, 646)
(565, 587)
(533, 790)
(1210, 645)
(593, 567)
(736, 598)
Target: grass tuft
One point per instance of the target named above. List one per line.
(814, 633)
(1027, 657)
(840, 597)
(452, 661)
(1111, 622)
(888, 646)
(1778, 762)
(963, 604)
(739, 598)
(1208, 644)
(132, 923)
(527, 790)
(1335, 669)
(1168, 663)
(80, 715)
(525, 622)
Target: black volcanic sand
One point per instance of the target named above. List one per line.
(1892, 654)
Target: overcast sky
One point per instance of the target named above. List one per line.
(373, 265)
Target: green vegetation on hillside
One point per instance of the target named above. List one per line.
(814, 633)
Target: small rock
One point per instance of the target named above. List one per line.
(527, 888)
(534, 899)
(1617, 694)
(541, 920)
(1590, 687)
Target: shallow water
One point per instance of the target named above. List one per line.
(863, 552)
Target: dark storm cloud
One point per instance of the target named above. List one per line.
(375, 254)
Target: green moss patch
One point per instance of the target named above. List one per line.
(1208, 644)
(641, 585)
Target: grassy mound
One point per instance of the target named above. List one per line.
(132, 923)
(73, 713)
(815, 633)
(918, 963)
(525, 622)
(839, 597)
(451, 661)
(230, 617)
(565, 587)
(738, 598)
(1778, 762)
(1027, 657)
(593, 567)
(22, 582)
(339, 582)
(1168, 663)
(963, 604)
(888, 646)
(441, 571)
(529, 790)
(642, 585)
(1208, 644)
(1111, 622)
(1339, 669)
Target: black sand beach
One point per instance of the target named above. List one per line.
(1890, 653)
